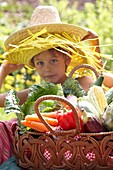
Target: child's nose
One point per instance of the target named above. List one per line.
(47, 68)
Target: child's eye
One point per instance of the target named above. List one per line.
(40, 63)
(54, 60)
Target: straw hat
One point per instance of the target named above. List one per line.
(45, 31)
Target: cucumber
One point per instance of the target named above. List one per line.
(109, 95)
(99, 81)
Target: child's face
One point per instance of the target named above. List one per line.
(51, 66)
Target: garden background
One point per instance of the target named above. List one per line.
(15, 14)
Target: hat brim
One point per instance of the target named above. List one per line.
(72, 30)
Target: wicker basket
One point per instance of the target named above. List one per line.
(63, 150)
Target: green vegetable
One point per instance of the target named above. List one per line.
(109, 95)
(36, 91)
(108, 117)
(49, 106)
(29, 108)
(12, 105)
(72, 87)
(99, 81)
(12, 100)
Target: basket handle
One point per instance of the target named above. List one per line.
(64, 100)
(84, 66)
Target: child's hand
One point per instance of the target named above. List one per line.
(93, 40)
(7, 68)
(91, 35)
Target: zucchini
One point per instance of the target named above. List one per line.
(99, 81)
(109, 95)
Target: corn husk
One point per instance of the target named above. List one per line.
(97, 97)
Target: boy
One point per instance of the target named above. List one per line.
(46, 32)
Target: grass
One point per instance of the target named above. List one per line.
(4, 116)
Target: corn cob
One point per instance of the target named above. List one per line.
(97, 97)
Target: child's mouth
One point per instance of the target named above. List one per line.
(49, 76)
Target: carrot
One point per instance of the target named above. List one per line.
(26, 123)
(39, 126)
(35, 125)
(49, 114)
(34, 117)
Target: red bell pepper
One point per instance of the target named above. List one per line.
(67, 121)
(62, 120)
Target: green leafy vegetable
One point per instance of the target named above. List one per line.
(12, 105)
(49, 106)
(36, 91)
(72, 86)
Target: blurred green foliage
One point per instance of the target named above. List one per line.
(4, 116)
(16, 15)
